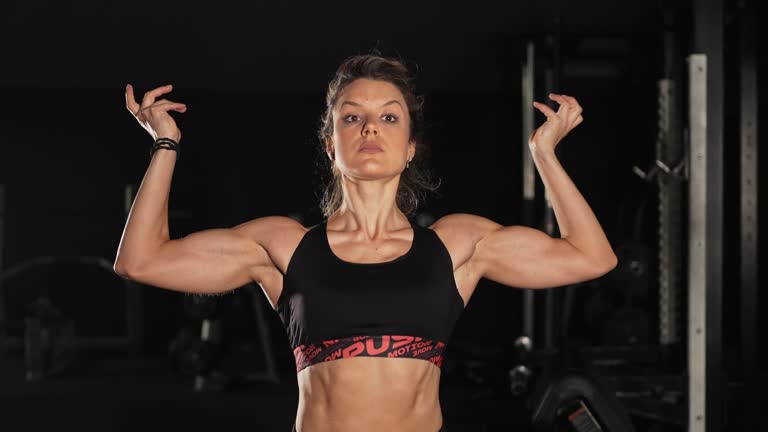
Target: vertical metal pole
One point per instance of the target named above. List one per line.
(550, 295)
(708, 27)
(552, 319)
(529, 176)
(697, 245)
(3, 324)
(749, 194)
(706, 397)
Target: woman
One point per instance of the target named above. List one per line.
(367, 285)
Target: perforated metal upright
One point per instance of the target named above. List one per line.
(3, 324)
(749, 205)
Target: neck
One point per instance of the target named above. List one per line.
(369, 207)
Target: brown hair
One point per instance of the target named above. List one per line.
(416, 180)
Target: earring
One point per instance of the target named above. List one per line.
(407, 162)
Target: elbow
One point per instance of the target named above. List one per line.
(119, 269)
(123, 270)
(609, 264)
(603, 266)
(133, 265)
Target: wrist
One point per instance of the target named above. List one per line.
(540, 154)
(162, 143)
(175, 139)
(163, 152)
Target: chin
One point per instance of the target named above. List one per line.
(369, 172)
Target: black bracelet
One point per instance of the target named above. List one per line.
(165, 143)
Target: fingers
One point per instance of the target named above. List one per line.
(569, 107)
(565, 104)
(178, 106)
(162, 106)
(149, 97)
(574, 103)
(149, 101)
(546, 110)
(578, 110)
(130, 101)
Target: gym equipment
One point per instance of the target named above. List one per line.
(48, 340)
(748, 60)
(209, 348)
(197, 348)
(10, 343)
(131, 341)
(573, 398)
(194, 352)
(579, 400)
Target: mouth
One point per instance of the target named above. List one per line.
(370, 147)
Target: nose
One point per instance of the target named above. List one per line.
(370, 128)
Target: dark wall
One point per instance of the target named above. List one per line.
(250, 151)
(278, 46)
(254, 86)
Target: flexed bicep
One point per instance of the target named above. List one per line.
(525, 257)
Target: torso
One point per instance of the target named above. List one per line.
(368, 393)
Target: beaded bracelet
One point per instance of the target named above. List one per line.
(165, 143)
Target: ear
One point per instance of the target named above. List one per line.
(412, 144)
(329, 148)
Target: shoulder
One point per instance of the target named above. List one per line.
(270, 229)
(461, 232)
(464, 224)
(278, 236)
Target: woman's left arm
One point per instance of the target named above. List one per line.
(528, 258)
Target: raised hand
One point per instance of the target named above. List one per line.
(558, 125)
(153, 114)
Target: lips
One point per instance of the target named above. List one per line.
(370, 146)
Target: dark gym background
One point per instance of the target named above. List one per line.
(253, 78)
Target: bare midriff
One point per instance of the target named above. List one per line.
(371, 394)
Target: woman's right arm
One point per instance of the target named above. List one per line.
(209, 261)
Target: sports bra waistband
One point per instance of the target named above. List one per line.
(391, 346)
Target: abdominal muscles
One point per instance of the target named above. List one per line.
(361, 392)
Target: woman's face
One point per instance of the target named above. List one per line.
(370, 113)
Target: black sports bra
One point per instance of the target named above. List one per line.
(334, 309)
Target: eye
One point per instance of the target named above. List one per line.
(389, 118)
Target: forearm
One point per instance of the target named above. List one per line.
(147, 225)
(578, 224)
